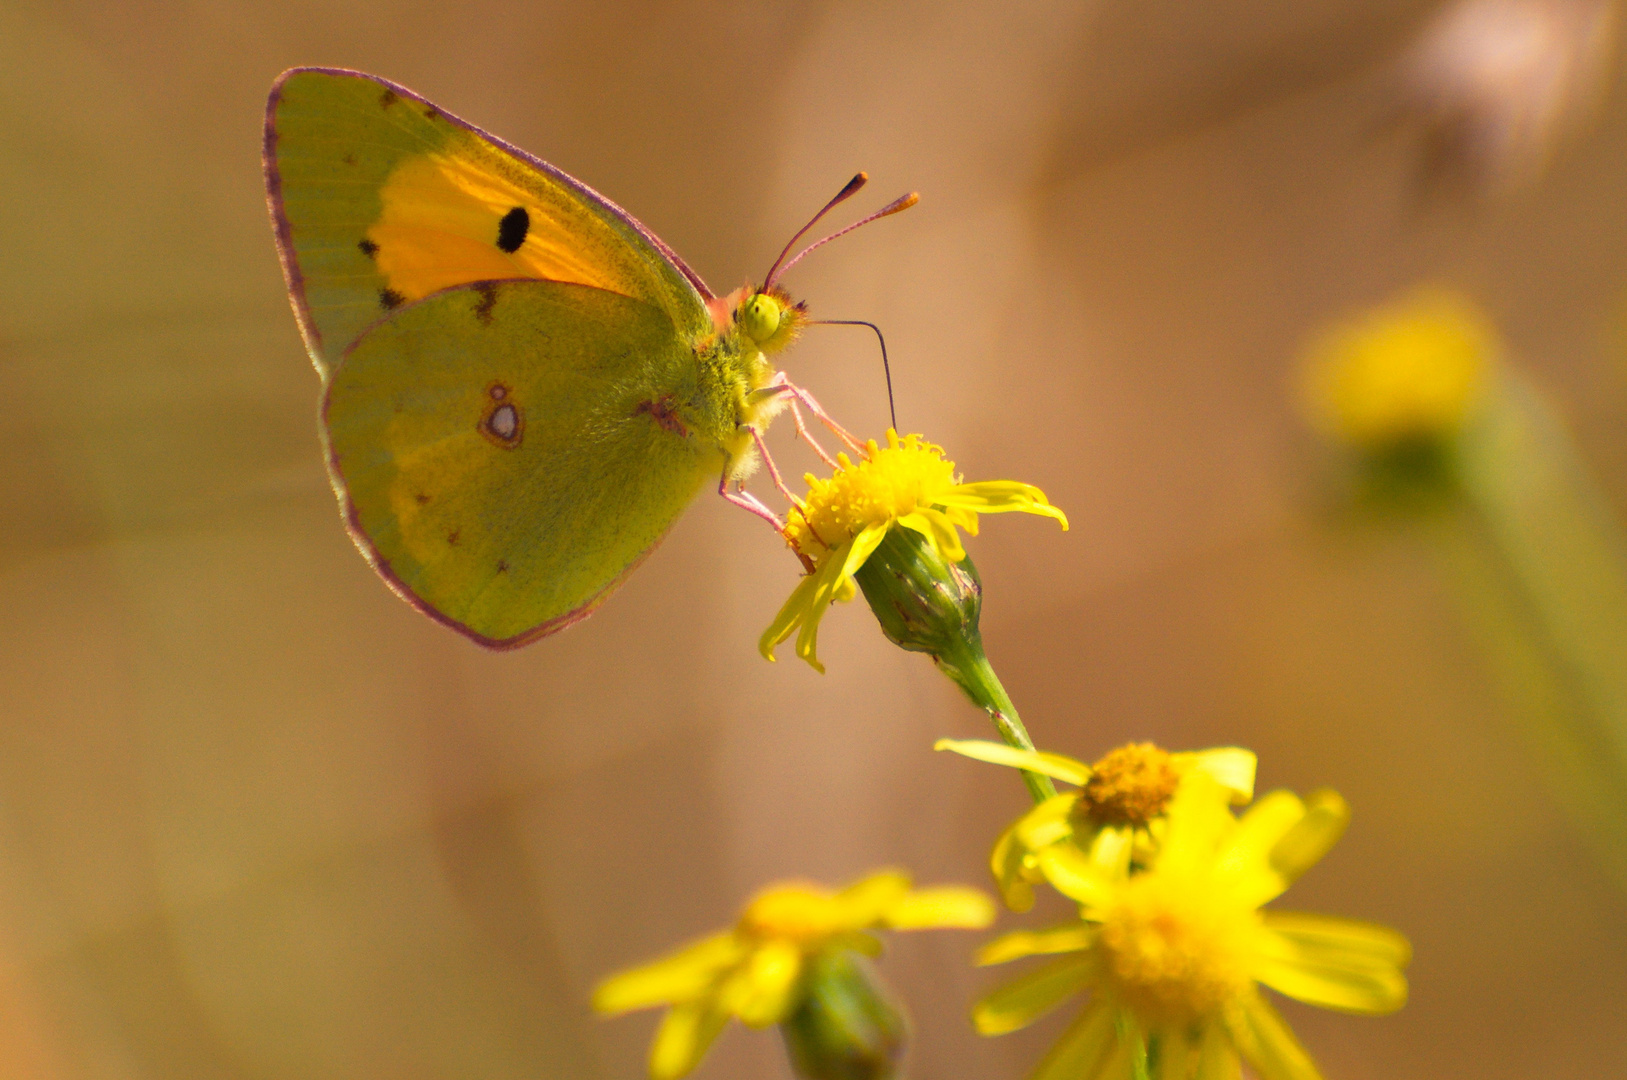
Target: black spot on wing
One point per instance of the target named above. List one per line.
(368, 248)
(389, 299)
(512, 229)
(388, 98)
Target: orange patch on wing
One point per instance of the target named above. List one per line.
(440, 225)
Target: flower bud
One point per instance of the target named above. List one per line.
(924, 602)
(846, 1027)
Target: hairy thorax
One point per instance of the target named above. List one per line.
(731, 395)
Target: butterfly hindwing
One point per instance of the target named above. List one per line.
(507, 451)
(380, 199)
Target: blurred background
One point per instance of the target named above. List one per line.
(258, 819)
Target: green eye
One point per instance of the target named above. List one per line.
(760, 317)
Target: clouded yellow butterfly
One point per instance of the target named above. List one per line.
(523, 386)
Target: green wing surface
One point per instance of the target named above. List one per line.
(506, 452)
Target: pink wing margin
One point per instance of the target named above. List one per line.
(279, 221)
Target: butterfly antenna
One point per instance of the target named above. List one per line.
(892, 411)
(903, 202)
(850, 189)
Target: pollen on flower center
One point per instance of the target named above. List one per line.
(1177, 950)
(1130, 785)
(890, 482)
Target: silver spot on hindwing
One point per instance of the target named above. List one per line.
(502, 422)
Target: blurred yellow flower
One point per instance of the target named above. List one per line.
(754, 971)
(1117, 813)
(1173, 956)
(1408, 371)
(907, 484)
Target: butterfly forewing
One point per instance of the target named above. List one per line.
(507, 451)
(381, 199)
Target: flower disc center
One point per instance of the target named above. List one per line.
(1178, 950)
(1130, 786)
(894, 480)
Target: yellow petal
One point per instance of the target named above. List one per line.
(1089, 1050)
(1055, 766)
(1069, 937)
(962, 518)
(1334, 963)
(1268, 1043)
(1229, 766)
(825, 583)
(1245, 856)
(761, 991)
(1047, 823)
(1197, 822)
(1200, 1052)
(681, 1041)
(679, 976)
(1073, 874)
(939, 532)
(1008, 862)
(952, 906)
(840, 568)
(1110, 851)
(945, 533)
(1343, 989)
(1326, 815)
(1018, 1004)
(1217, 1057)
(791, 614)
(866, 902)
(1175, 1053)
(1376, 943)
(1002, 496)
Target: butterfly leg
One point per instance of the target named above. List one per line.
(747, 501)
(790, 497)
(780, 388)
(802, 429)
(798, 394)
(768, 462)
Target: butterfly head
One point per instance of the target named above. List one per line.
(767, 316)
(769, 319)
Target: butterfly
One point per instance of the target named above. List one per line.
(523, 387)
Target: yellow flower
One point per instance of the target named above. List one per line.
(907, 484)
(1410, 371)
(754, 970)
(1118, 811)
(1173, 956)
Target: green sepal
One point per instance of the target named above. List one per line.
(847, 1026)
(924, 602)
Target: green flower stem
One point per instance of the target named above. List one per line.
(925, 603)
(1543, 696)
(1543, 563)
(966, 664)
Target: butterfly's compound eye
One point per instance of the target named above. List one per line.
(760, 317)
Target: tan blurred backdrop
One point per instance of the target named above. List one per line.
(260, 820)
